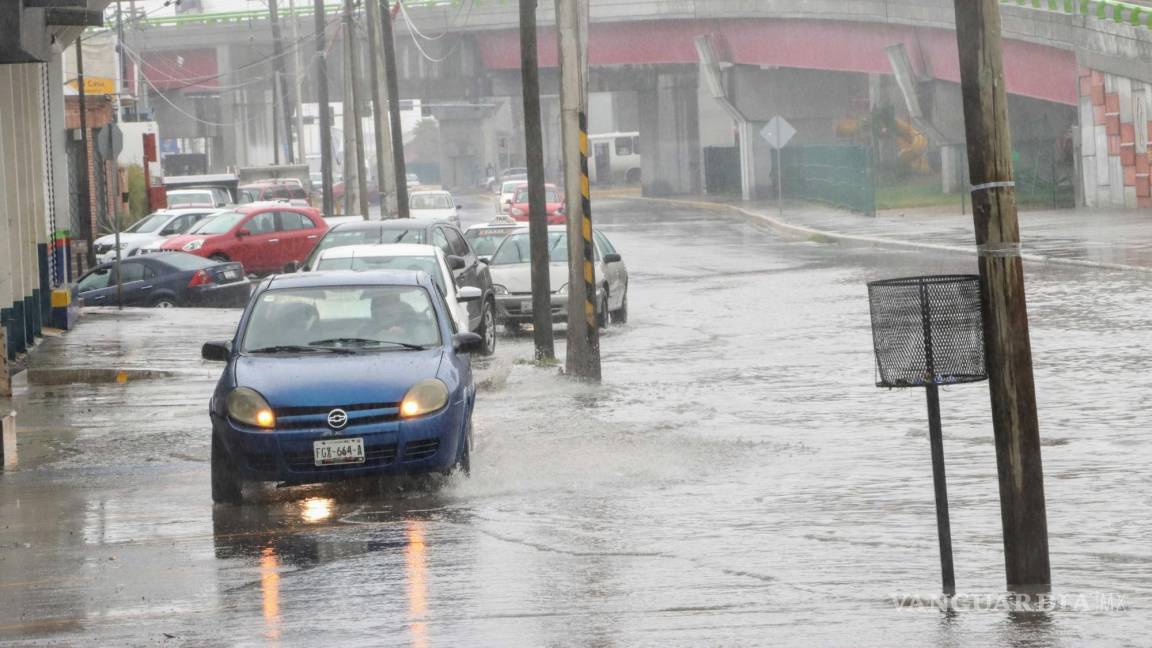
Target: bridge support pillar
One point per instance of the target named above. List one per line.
(670, 135)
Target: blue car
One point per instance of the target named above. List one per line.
(336, 375)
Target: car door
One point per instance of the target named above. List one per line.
(96, 287)
(136, 283)
(259, 250)
(616, 273)
(297, 236)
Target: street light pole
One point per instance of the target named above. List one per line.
(385, 179)
(1009, 351)
(537, 204)
(279, 92)
(353, 59)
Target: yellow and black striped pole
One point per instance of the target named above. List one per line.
(583, 352)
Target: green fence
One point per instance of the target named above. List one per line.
(840, 176)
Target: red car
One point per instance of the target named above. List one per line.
(555, 205)
(263, 237)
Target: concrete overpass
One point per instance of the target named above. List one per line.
(1073, 64)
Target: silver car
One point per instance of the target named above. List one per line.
(512, 279)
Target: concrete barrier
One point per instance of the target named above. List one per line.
(8, 440)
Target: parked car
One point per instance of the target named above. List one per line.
(441, 234)
(289, 190)
(486, 237)
(554, 205)
(413, 180)
(165, 281)
(262, 236)
(434, 204)
(144, 233)
(512, 279)
(511, 173)
(335, 375)
(418, 258)
(507, 193)
(198, 197)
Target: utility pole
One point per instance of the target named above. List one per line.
(353, 58)
(385, 178)
(86, 177)
(325, 117)
(1010, 381)
(388, 45)
(537, 204)
(583, 359)
(119, 62)
(279, 92)
(347, 117)
(299, 76)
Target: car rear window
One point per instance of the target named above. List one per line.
(181, 261)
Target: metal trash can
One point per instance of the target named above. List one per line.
(929, 331)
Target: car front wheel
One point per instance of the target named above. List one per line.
(602, 314)
(225, 482)
(164, 302)
(487, 330)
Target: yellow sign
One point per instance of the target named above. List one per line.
(96, 85)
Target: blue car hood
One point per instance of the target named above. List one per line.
(334, 380)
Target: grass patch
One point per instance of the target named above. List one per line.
(915, 195)
(542, 363)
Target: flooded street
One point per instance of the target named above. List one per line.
(736, 480)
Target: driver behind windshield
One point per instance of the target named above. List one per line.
(394, 319)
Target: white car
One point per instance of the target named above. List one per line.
(150, 232)
(203, 197)
(433, 204)
(508, 194)
(405, 256)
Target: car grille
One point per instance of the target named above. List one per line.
(316, 418)
(380, 455)
(423, 449)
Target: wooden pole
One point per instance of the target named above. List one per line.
(384, 176)
(392, 83)
(1006, 339)
(537, 204)
(329, 208)
(357, 124)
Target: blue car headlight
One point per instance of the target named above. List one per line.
(425, 397)
(247, 406)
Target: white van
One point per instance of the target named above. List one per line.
(614, 158)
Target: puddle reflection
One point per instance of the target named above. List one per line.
(270, 592)
(416, 562)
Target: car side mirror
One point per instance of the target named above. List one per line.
(486, 260)
(291, 266)
(242, 232)
(468, 294)
(612, 258)
(459, 206)
(216, 351)
(456, 263)
(467, 343)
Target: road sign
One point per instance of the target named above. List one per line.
(95, 85)
(110, 141)
(778, 132)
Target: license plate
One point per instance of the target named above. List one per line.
(332, 452)
(526, 306)
(231, 274)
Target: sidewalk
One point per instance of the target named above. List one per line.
(1111, 239)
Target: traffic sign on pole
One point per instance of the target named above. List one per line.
(778, 132)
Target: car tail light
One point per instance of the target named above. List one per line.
(201, 278)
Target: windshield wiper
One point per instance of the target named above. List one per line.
(296, 348)
(366, 342)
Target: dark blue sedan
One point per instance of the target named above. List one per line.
(165, 281)
(334, 375)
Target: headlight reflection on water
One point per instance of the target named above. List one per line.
(316, 509)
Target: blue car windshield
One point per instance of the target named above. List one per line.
(342, 317)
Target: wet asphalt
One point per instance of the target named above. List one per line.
(736, 480)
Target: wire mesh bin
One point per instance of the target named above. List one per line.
(927, 330)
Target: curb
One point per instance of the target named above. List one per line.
(875, 241)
